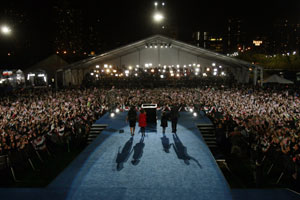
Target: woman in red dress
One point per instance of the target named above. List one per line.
(143, 121)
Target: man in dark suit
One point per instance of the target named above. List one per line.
(174, 115)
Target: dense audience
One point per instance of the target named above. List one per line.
(37, 120)
(265, 120)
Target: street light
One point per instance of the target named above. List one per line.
(5, 30)
(158, 17)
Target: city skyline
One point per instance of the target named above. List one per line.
(35, 24)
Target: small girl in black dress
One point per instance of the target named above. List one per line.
(164, 121)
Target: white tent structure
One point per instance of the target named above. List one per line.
(277, 79)
(156, 52)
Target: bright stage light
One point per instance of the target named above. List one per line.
(195, 114)
(158, 17)
(117, 110)
(191, 110)
(112, 114)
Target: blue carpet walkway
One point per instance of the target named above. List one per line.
(117, 166)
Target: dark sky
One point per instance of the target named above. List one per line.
(131, 20)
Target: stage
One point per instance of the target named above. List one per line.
(106, 170)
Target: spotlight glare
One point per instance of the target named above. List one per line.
(195, 114)
(112, 114)
(5, 30)
(158, 17)
(117, 110)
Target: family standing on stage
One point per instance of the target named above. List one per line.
(133, 117)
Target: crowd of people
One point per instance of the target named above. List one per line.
(37, 121)
(267, 120)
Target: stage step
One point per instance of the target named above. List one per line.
(208, 133)
(95, 130)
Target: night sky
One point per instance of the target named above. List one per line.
(131, 20)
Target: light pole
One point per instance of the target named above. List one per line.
(158, 17)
